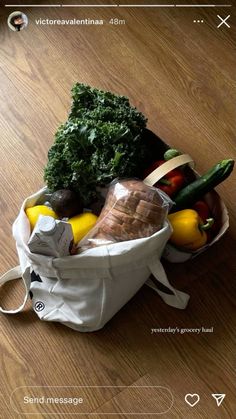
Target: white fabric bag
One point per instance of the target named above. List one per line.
(85, 291)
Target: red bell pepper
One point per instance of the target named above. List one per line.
(202, 209)
(171, 182)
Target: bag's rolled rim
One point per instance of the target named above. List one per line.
(117, 249)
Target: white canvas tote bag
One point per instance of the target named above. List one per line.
(85, 291)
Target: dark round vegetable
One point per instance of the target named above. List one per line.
(66, 203)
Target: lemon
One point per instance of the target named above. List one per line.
(33, 213)
(81, 224)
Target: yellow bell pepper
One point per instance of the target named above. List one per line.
(81, 224)
(189, 229)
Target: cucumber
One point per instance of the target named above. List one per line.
(197, 189)
(171, 153)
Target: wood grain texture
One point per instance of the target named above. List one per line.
(182, 76)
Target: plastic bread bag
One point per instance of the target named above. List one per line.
(132, 210)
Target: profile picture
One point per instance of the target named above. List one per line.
(17, 21)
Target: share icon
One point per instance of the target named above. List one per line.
(218, 398)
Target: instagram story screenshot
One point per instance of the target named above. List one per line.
(118, 209)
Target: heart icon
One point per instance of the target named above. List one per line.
(192, 399)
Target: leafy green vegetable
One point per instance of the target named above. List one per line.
(101, 140)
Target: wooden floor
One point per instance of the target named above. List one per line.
(182, 76)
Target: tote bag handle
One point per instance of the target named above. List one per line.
(177, 299)
(12, 274)
(166, 167)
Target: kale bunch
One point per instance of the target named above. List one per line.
(101, 140)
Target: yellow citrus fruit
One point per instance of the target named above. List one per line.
(81, 224)
(33, 213)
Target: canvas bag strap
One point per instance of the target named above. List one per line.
(177, 299)
(166, 167)
(12, 274)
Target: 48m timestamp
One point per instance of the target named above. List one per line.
(115, 21)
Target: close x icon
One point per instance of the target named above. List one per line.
(223, 21)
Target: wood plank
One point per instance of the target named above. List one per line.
(182, 76)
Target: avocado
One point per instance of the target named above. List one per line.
(66, 203)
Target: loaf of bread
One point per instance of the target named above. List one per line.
(132, 210)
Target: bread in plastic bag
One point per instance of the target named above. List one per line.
(132, 210)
